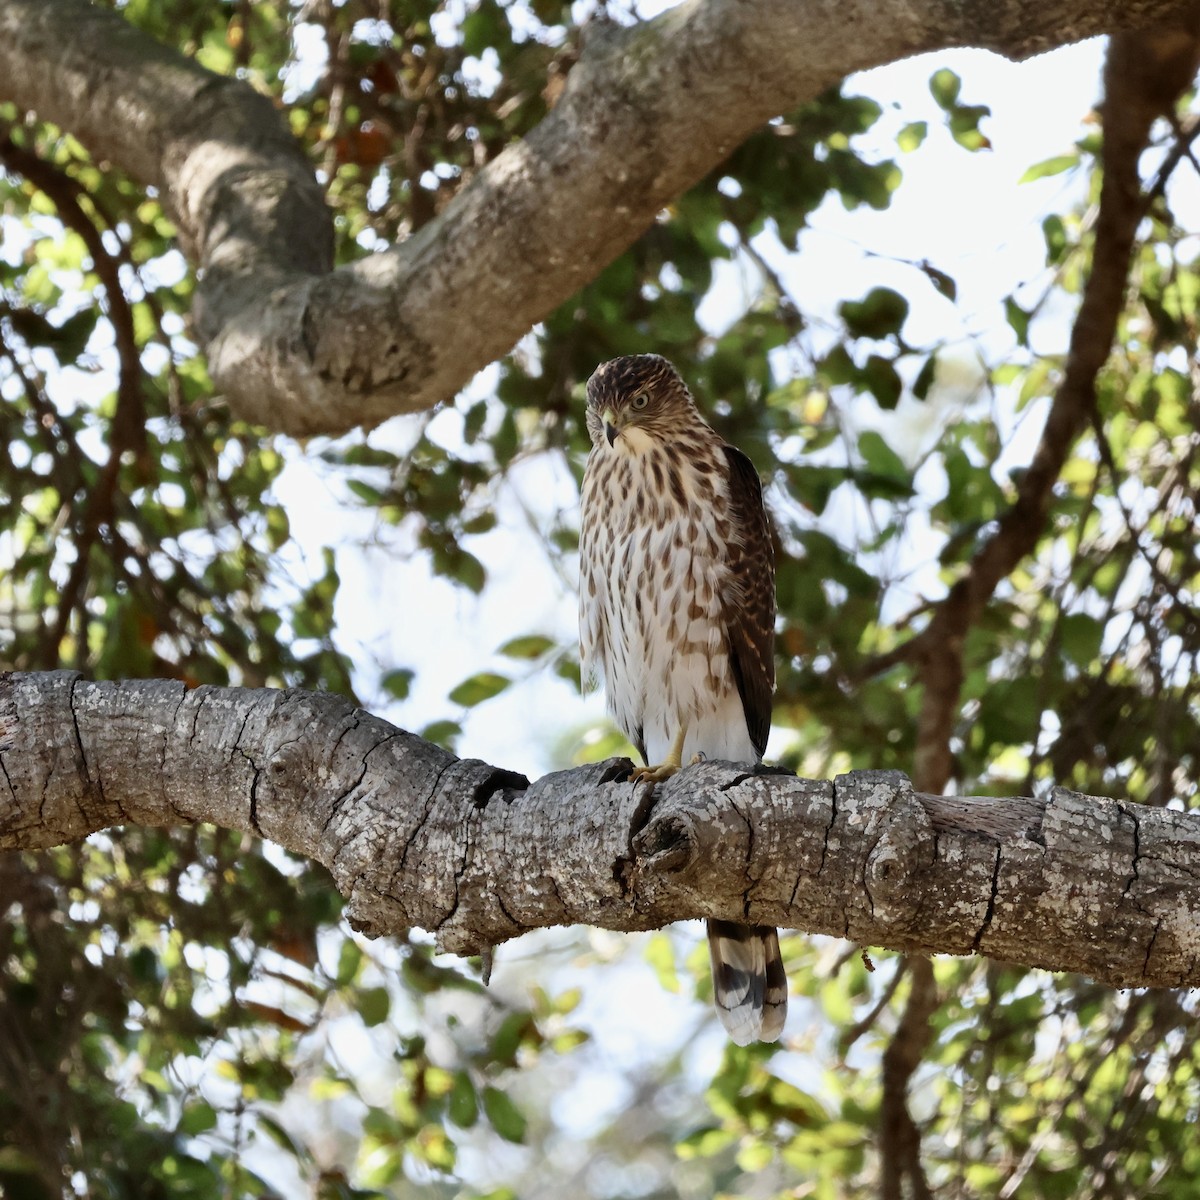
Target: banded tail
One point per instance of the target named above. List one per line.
(749, 985)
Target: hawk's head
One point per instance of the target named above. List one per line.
(636, 400)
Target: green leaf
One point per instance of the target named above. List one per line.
(883, 381)
(39, 288)
(480, 522)
(515, 1030)
(912, 135)
(568, 669)
(964, 126)
(69, 339)
(1055, 233)
(481, 28)
(397, 683)
(442, 733)
(879, 314)
(1035, 384)
(838, 367)
(478, 688)
(1081, 636)
(473, 421)
(506, 1118)
(463, 1108)
(660, 954)
(360, 455)
(277, 1132)
(198, 1117)
(1018, 318)
(144, 964)
(1051, 166)
(945, 86)
(278, 528)
(812, 486)
(940, 280)
(925, 378)
(1009, 711)
(373, 1005)
(531, 645)
(470, 573)
(705, 1142)
(349, 960)
(881, 459)
(366, 492)
(755, 1156)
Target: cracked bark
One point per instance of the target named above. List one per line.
(647, 112)
(476, 854)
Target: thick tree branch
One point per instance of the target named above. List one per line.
(416, 837)
(647, 112)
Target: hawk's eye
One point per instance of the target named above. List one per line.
(640, 400)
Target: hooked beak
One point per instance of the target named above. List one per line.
(610, 425)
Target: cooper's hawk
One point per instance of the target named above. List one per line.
(677, 615)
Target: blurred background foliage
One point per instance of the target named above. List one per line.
(182, 1012)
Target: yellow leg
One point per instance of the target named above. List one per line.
(665, 769)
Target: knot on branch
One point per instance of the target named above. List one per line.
(700, 825)
(903, 848)
(668, 845)
(359, 917)
(897, 837)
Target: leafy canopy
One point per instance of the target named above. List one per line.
(183, 1012)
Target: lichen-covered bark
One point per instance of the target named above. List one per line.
(416, 837)
(647, 112)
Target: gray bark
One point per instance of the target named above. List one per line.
(647, 112)
(414, 836)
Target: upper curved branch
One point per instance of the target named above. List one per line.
(647, 112)
(416, 837)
